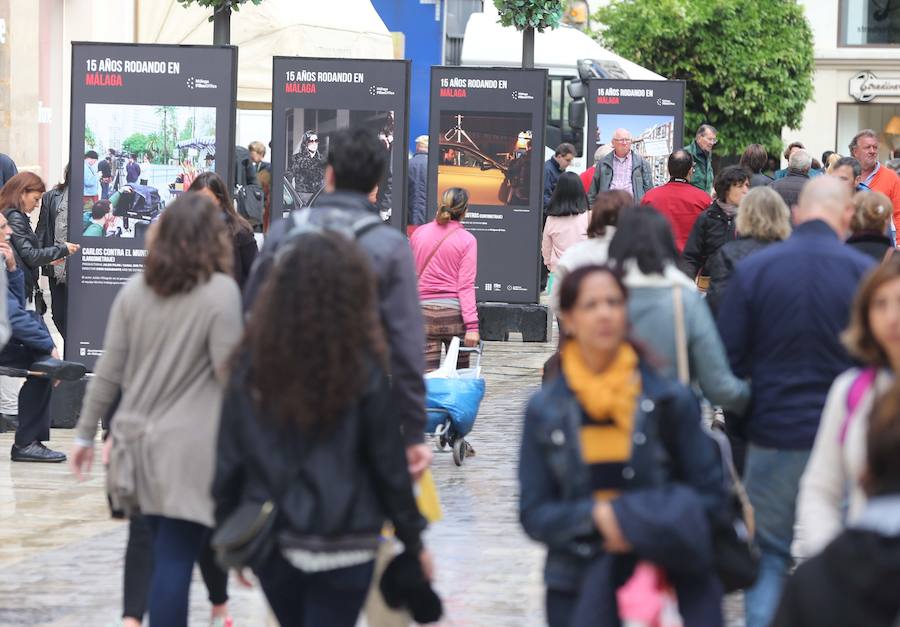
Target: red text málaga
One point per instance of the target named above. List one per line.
(450, 92)
(99, 79)
(299, 88)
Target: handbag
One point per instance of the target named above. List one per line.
(735, 555)
(246, 538)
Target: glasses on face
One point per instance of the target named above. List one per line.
(619, 140)
(712, 141)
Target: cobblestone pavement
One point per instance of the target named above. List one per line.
(61, 555)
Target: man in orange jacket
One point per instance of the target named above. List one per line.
(864, 147)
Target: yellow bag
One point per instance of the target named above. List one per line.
(427, 498)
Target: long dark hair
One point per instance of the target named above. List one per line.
(214, 183)
(310, 340)
(188, 244)
(63, 185)
(568, 197)
(643, 234)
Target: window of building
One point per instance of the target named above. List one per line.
(869, 23)
(884, 119)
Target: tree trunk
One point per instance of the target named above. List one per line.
(222, 27)
(528, 48)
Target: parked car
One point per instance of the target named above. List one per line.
(466, 167)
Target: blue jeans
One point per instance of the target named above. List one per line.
(772, 478)
(330, 598)
(176, 545)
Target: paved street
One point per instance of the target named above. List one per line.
(61, 555)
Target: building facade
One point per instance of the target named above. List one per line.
(35, 58)
(857, 76)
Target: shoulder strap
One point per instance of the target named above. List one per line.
(681, 352)
(433, 251)
(858, 388)
(888, 254)
(366, 224)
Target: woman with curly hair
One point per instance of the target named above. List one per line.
(316, 435)
(171, 331)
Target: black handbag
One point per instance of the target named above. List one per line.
(247, 537)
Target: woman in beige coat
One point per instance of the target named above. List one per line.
(170, 334)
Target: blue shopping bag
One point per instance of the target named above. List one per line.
(456, 392)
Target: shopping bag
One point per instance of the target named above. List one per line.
(454, 393)
(427, 498)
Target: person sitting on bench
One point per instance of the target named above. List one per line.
(30, 342)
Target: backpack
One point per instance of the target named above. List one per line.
(332, 220)
(861, 384)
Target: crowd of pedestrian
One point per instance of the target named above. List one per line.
(721, 414)
(774, 299)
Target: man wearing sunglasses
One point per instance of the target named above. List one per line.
(701, 152)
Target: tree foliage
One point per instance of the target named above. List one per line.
(536, 14)
(748, 65)
(218, 5)
(90, 139)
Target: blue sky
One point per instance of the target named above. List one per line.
(637, 124)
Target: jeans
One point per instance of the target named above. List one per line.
(176, 546)
(139, 570)
(331, 598)
(34, 397)
(772, 479)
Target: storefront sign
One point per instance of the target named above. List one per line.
(313, 98)
(145, 120)
(487, 137)
(865, 86)
(652, 111)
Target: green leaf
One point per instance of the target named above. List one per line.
(748, 65)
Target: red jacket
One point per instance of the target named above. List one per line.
(587, 178)
(681, 203)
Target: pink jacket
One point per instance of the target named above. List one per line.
(560, 233)
(451, 271)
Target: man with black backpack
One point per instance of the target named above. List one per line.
(356, 162)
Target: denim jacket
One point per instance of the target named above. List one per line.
(556, 501)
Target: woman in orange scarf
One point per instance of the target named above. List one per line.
(604, 442)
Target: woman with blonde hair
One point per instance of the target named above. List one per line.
(762, 219)
(446, 257)
(868, 227)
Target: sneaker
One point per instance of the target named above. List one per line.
(36, 452)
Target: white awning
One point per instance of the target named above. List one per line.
(487, 43)
(344, 29)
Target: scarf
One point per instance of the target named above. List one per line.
(730, 210)
(609, 399)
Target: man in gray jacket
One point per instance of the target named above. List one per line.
(355, 163)
(623, 169)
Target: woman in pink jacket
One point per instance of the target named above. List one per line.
(567, 219)
(446, 257)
